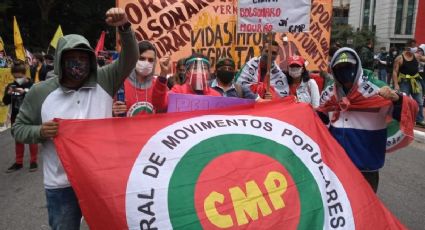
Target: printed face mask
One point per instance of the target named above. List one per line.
(295, 72)
(76, 69)
(144, 68)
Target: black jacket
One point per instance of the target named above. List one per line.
(41, 73)
(15, 99)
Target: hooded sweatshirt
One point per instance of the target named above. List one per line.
(49, 100)
(359, 117)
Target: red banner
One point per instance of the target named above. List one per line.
(256, 167)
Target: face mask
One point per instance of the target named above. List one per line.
(295, 72)
(225, 76)
(20, 81)
(182, 76)
(394, 53)
(414, 49)
(144, 68)
(345, 75)
(76, 69)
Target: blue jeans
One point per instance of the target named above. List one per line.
(382, 75)
(406, 87)
(63, 209)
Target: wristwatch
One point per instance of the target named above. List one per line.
(124, 27)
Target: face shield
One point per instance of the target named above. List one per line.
(197, 73)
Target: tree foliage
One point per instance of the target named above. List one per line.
(38, 21)
(346, 36)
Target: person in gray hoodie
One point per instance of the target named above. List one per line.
(79, 90)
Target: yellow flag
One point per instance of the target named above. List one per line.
(1, 44)
(55, 38)
(19, 45)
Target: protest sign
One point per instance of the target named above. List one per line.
(210, 27)
(259, 16)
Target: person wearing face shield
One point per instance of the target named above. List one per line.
(253, 74)
(223, 83)
(197, 73)
(179, 77)
(79, 90)
(407, 79)
(301, 85)
(14, 95)
(356, 106)
(139, 86)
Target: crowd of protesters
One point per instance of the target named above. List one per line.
(75, 84)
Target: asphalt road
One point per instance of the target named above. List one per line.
(23, 204)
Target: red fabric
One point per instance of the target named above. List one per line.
(100, 44)
(408, 116)
(261, 89)
(355, 100)
(155, 94)
(98, 165)
(20, 149)
(293, 89)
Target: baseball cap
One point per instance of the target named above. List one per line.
(296, 60)
(345, 57)
(225, 62)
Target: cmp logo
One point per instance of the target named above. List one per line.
(234, 172)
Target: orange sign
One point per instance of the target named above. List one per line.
(209, 27)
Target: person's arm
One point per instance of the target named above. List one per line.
(27, 126)
(314, 93)
(7, 97)
(397, 63)
(111, 76)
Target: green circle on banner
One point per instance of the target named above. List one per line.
(182, 209)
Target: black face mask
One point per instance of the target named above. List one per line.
(346, 74)
(225, 77)
(182, 77)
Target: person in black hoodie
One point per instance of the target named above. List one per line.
(14, 94)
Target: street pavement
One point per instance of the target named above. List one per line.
(23, 204)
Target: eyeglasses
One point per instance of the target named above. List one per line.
(148, 59)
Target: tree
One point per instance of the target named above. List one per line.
(346, 36)
(38, 21)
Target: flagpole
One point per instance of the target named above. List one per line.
(269, 60)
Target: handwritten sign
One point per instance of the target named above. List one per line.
(186, 102)
(181, 27)
(261, 16)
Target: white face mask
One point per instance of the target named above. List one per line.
(295, 72)
(144, 68)
(20, 81)
(394, 53)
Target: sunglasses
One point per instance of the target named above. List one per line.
(147, 59)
